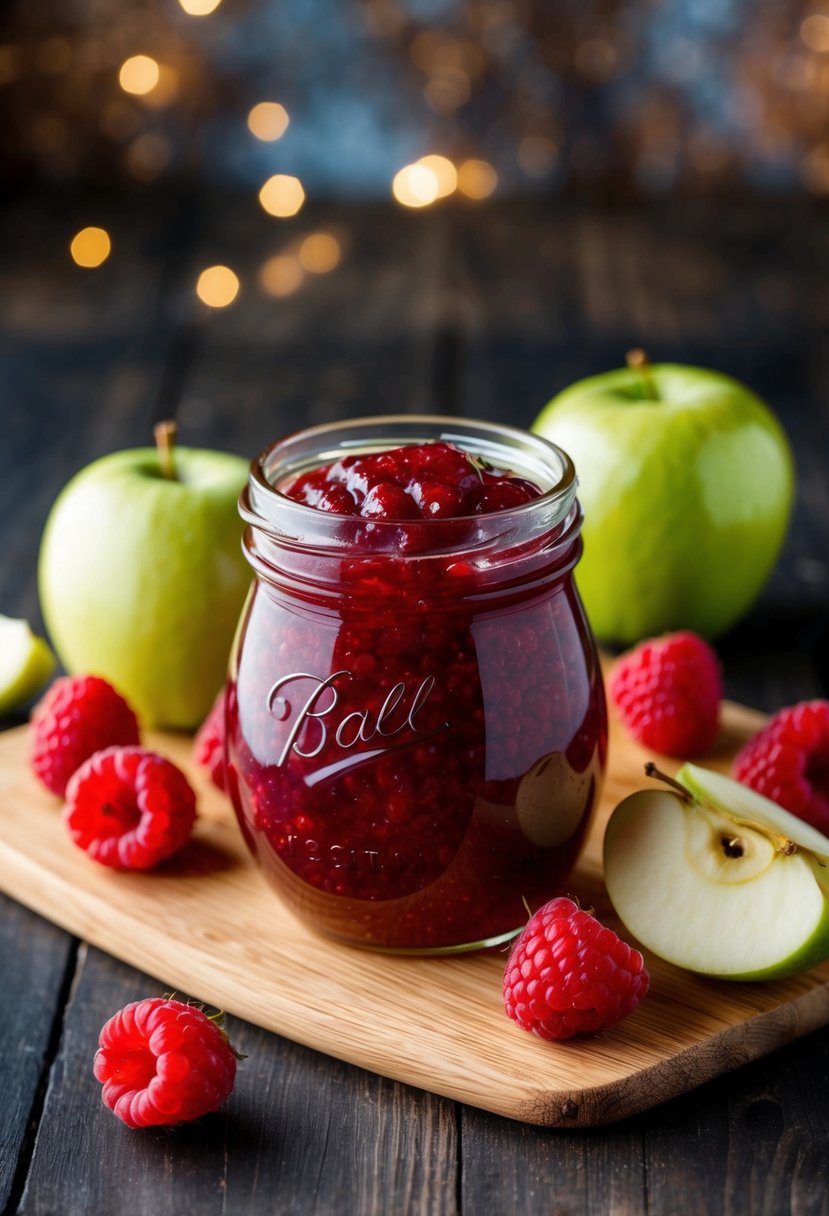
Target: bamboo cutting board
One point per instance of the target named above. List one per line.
(207, 925)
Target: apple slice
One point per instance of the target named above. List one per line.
(719, 887)
(26, 662)
(742, 802)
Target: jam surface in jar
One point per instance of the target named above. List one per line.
(416, 721)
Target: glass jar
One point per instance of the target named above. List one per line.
(416, 719)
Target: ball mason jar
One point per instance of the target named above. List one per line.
(416, 720)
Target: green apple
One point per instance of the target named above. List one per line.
(713, 877)
(26, 662)
(686, 479)
(142, 577)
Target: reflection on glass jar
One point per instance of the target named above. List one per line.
(416, 718)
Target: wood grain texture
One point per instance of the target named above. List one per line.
(207, 924)
(285, 1141)
(36, 960)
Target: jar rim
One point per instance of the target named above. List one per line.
(263, 506)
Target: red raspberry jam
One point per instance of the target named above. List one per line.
(416, 718)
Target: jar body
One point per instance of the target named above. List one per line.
(415, 739)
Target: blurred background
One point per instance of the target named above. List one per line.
(253, 215)
(521, 96)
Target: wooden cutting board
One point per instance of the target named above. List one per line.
(208, 926)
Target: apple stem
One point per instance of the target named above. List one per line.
(652, 771)
(638, 359)
(165, 441)
(781, 843)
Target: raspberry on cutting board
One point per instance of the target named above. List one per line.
(568, 974)
(79, 715)
(163, 1062)
(668, 692)
(788, 762)
(129, 808)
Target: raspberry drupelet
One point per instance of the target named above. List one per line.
(129, 808)
(668, 692)
(79, 715)
(788, 762)
(569, 975)
(163, 1062)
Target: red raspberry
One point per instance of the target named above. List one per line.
(162, 1062)
(788, 761)
(128, 808)
(209, 744)
(568, 974)
(78, 716)
(668, 692)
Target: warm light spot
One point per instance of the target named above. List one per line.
(415, 186)
(268, 120)
(445, 173)
(199, 8)
(165, 90)
(281, 275)
(282, 195)
(217, 287)
(815, 32)
(448, 89)
(90, 247)
(476, 179)
(320, 252)
(138, 75)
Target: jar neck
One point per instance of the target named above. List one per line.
(300, 548)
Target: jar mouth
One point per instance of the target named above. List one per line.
(528, 455)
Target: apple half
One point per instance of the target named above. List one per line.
(716, 878)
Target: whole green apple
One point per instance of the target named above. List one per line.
(142, 577)
(686, 479)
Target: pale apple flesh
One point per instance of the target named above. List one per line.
(712, 895)
(742, 802)
(26, 662)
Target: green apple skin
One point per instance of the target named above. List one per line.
(26, 662)
(142, 578)
(686, 498)
(677, 892)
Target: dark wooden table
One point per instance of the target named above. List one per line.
(483, 312)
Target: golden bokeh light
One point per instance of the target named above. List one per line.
(139, 75)
(282, 195)
(320, 252)
(268, 121)
(281, 275)
(165, 89)
(90, 247)
(476, 179)
(199, 8)
(415, 186)
(217, 287)
(815, 32)
(445, 173)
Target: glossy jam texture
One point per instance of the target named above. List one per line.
(419, 481)
(410, 758)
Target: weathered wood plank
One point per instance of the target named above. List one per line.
(299, 1134)
(36, 961)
